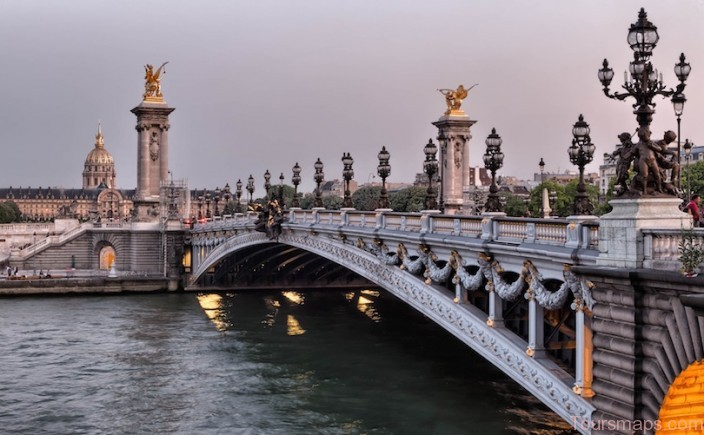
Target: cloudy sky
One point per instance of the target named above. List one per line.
(262, 84)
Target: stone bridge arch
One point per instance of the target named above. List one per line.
(469, 324)
(107, 249)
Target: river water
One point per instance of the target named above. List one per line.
(318, 362)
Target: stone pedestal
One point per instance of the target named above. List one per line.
(453, 139)
(152, 155)
(620, 235)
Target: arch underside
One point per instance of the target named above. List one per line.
(542, 377)
(275, 265)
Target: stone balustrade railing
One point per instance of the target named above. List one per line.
(555, 232)
(26, 228)
(661, 248)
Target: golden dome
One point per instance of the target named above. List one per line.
(99, 155)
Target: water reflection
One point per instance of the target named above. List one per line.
(212, 307)
(294, 328)
(389, 371)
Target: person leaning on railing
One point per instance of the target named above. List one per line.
(693, 209)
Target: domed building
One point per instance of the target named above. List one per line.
(99, 167)
(98, 199)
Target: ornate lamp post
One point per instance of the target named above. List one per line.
(678, 101)
(493, 161)
(430, 166)
(553, 198)
(207, 205)
(541, 164)
(347, 174)
(581, 153)
(281, 190)
(216, 198)
(644, 83)
(238, 194)
(384, 170)
(267, 184)
(201, 197)
(296, 180)
(318, 177)
(227, 195)
(688, 156)
(250, 188)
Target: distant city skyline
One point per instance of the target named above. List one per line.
(263, 85)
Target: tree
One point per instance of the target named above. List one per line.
(366, 198)
(9, 212)
(515, 205)
(409, 200)
(694, 174)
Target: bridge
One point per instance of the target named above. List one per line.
(470, 275)
(604, 347)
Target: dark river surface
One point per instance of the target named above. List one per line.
(314, 362)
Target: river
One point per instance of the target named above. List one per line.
(269, 362)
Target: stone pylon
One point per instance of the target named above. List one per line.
(152, 156)
(453, 137)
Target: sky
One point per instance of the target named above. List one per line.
(264, 84)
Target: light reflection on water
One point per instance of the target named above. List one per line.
(267, 362)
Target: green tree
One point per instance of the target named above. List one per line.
(9, 212)
(515, 205)
(694, 175)
(366, 198)
(409, 200)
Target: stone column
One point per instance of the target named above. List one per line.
(152, 156)
(453, 137)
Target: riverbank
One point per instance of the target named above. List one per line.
(53, 286)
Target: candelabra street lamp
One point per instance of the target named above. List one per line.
(238, 194)
(281, 190)
(201, 198)
(296, 180)
(644, 84)
(207, 205)
(267, 183)
(227, 195)
(688, 156)
(318, 177)
(430, 167)
(581, 153)
(250, 188)
(493, 161)
(216, 198)
(347, 174)
(384, 170)
(678, 101)
(541, 164)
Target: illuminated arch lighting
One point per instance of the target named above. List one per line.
(682, 410)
